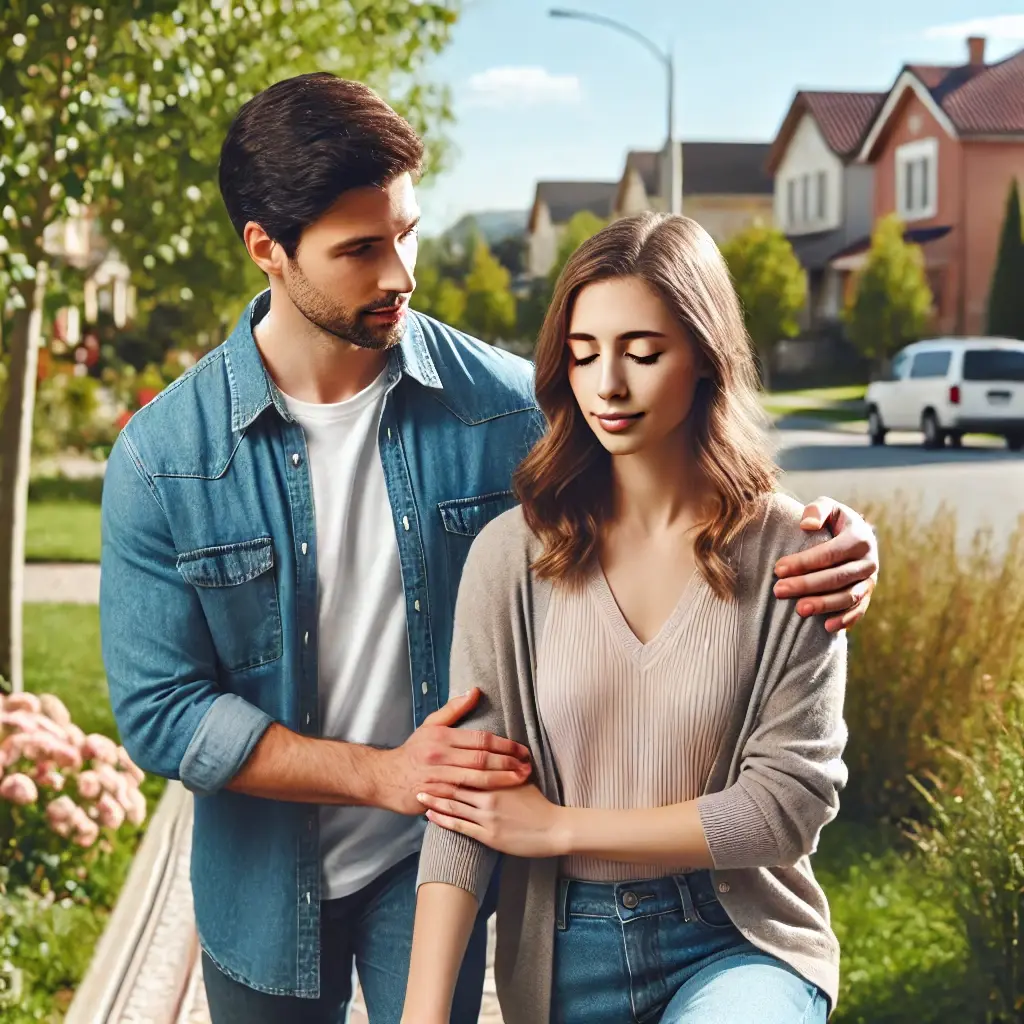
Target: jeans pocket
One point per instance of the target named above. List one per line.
(712, 914)
(237, 588)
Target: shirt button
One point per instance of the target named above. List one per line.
(296, 458)
(305, 547)
(305, 639)
(425, 688)
(416, 605)
(389, 433)
(630, 900)
(723, 886)
(405, 522)
(308, 718)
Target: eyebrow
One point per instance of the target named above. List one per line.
(626, 336)
(354, 243)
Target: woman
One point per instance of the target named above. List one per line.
(686, 728)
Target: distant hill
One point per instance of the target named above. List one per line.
(494, 225)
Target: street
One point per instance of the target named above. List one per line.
(982, 481)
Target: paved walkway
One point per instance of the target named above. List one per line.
(63, 582)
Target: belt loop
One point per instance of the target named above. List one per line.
(561, 910)
(683, 885)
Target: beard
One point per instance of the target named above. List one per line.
(338, 320)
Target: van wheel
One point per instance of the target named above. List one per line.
(876, 431)
(933, 436)
(1015, 442)
(956, 440)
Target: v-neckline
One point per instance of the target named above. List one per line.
(633, 645)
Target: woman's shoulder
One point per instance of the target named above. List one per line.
(504, 549)
(775, 531)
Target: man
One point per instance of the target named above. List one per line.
(283, 533)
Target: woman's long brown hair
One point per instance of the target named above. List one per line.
(565, 483)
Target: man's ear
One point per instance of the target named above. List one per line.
(267, 254)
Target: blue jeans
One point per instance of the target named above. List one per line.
(372, 930)
(666, 951)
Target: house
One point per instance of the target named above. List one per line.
(555, 203)
(823, 198)
(725, 185)
(945, 146)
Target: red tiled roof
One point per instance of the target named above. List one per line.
(990, 102)
(843, 117)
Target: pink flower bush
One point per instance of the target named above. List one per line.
(83, 786)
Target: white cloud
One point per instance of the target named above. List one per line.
(522, 86)
(998, 26)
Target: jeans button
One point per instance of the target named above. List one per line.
(630, 900)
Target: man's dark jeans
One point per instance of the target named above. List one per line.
(372, 929)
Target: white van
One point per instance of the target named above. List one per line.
(948, 387)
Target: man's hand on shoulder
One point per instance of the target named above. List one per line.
(835, 578)
(438, 753)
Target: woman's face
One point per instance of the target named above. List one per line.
(633, 367)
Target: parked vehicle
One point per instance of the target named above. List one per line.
(948, 387)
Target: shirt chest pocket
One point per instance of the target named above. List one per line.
(237, 588)
(463, 519)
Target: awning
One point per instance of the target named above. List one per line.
(854, 255)
(814, 250)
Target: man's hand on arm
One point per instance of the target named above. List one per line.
(838, 577)
(287, 766)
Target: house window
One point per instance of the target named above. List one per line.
(822, 195)
(791, 202)
(917, 171)
(805, 198)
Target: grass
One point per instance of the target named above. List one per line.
(66, 531)
(837, 405)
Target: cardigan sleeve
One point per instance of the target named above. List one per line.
(483, 655)
(791, 769)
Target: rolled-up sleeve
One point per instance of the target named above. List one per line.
(174, 719)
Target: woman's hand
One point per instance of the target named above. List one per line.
(521, 821)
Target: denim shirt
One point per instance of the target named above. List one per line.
(208, 598)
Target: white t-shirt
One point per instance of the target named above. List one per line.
(364, 679)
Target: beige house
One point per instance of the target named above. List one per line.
(555, 204)
(726, 187)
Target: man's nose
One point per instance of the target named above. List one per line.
(396, 274)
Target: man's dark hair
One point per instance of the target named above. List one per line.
(293, 149)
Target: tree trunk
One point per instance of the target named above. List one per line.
(15, 464)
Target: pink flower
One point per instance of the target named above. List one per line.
(100, 748)
(75, 736)
(54, 708)
(89, 785)
(52, 780)
(111, 813)
(23, 702)
(67, 756)
(48, 725)
(19, 789)
(86, 834)
(60, 810)
(20, 719)
(135, 805)
(134, 772)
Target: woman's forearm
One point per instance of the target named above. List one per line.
(656, 835)
(445, 915)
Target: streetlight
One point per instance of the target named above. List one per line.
(675, 191)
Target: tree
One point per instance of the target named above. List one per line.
(438, 293)
(1006, 299)
(490, 306)
(120, 109)
(581, 226)
(892, 302)
(772, 288)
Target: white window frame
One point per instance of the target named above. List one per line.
(911, 153)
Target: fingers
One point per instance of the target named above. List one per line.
(449, 806)
(849, 619)
(827, 582)
(479, 760)
(469, 778)
(456, 708)
(838, 601)
(475, 740)
(467, 828)
(817, 513)
(847, 547)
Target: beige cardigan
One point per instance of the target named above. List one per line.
(774, 785)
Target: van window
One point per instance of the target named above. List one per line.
(994, 364)
(930, 364)
(898, 369)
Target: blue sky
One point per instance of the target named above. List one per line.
(541, 98)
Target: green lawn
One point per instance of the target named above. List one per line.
(839, 405)
(62, 531)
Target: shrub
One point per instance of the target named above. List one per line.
(940, 629)
(974, 845)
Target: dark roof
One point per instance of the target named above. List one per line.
(842, 117)
(564, 199)
(912, 236)
(710, 168)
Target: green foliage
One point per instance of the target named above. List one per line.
(490, 306)
(122, 109)
(62, 531)
(440, 271)
(975, 845)
(581, 226)
(892, 301)
(903, 948)
(1006, 299)
(945, 626)
(771, 284)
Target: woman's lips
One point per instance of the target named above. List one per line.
(616, 423)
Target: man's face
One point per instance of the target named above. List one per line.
(352, 274)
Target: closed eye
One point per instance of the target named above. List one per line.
(645, 360)
(585, 361)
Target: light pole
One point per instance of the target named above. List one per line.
(675, 155)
